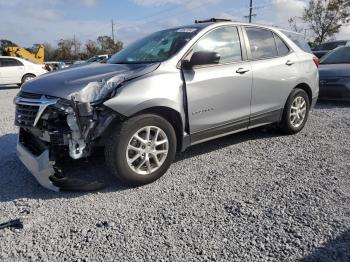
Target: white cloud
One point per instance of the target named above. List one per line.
(344, 33)
(232, 17)
(89, 2)
(285, 9)
(187, 3)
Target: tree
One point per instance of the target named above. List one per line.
(5, 43)
(92, 48)
(108, 45)
(326, 17)
(68, 49)
(49, 52)
(295, 25)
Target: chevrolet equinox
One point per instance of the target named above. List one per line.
(170, 90)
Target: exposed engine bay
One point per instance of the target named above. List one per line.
(68, 121)
(61, 128)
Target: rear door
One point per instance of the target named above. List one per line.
(12, 71)
(219, 94)
(274, 74)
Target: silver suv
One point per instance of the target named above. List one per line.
(168, 91)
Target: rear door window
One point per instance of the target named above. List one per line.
(262, 43)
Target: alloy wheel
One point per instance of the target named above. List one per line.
(298, 111)
(147, 150)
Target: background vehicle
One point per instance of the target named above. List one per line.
(98, 58)
(15, 70)
(56, 65)
(335, 75)
(94, 59)
(173, 89)
(324, 48)
(36, 55)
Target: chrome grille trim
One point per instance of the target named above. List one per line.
(41, 103)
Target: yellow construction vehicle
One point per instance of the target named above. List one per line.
(36, 56)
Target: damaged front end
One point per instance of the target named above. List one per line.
(53, 129)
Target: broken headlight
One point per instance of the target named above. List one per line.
(96, 92)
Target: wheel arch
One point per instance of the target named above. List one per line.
(27, 74)
(172, 116)
(307, 89)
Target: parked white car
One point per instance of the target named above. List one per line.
(14, 70)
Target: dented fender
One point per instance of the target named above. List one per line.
(158, 89)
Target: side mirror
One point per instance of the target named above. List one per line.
(201, 58)
(185, 64)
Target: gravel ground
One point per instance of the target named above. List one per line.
(255, 196)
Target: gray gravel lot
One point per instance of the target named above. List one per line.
(255, 196)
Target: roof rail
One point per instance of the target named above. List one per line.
(212, 20)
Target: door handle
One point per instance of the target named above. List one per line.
(242, 70)
(289, 63)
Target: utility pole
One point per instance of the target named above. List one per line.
(75, 45)
(113, 30)
(250, 12)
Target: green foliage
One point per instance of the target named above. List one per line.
(108, 46)
(72, 49)
(326, 17)
(5, 43)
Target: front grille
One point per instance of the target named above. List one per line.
(29, 110)
(26, 114)
(29, 95)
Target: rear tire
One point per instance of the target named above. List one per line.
(141, 149)
(27, 77)
(296, 112)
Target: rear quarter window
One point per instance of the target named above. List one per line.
(298, 39)
(282, 48)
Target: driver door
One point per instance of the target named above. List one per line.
(219, 94)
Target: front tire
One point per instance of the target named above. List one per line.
(141, 149)
(296, 112)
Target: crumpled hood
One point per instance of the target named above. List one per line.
(64, 83)
(334, 70)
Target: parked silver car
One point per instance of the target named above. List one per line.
(168, 91)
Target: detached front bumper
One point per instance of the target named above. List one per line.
(39, 166)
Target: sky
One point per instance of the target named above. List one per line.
(27, 22)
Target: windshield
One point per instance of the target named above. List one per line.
(157, 47)
(341, 55)
(330, 46)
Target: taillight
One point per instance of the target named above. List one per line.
(316, 61)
